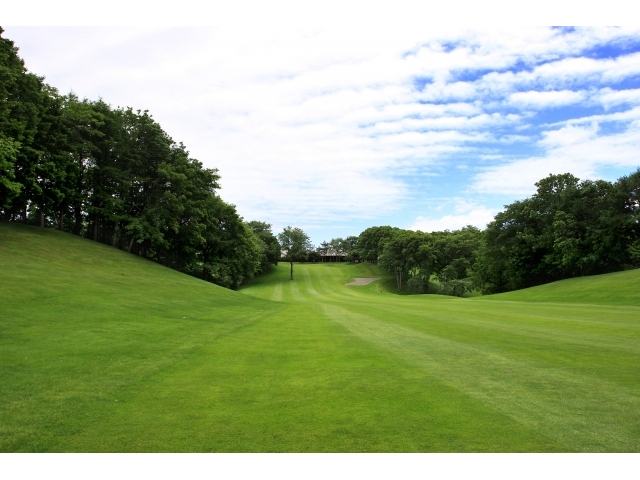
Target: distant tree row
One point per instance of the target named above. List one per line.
(568, 228)
(115, 176)
(416, 257)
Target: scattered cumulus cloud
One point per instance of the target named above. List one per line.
(580, 150)
(540, 100)
(465, 213)
(611, 98)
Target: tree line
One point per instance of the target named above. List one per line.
(115, 176)
(567, 228)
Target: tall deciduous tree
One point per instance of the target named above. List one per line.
(296, 243)
(371, 242)
(398, 254)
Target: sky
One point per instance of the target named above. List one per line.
(338, 129)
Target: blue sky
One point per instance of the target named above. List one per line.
(335, 130)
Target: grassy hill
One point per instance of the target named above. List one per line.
(619, 288)
(104, 351)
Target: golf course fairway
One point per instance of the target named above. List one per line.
(102, 351)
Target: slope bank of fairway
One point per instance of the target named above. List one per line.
(619, 288)
(103, 351)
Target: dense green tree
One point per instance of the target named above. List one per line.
(270, 247)
(8, 188)
(625, 225)
(115, 176)
(567, 228)
(399, 254)
(230, 253)
(371, 242)
(22, 105)
(295, 244)
(352, 254)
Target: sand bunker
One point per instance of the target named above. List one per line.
(363, 281)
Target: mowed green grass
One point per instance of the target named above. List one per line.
(104, 351)
(619, 288)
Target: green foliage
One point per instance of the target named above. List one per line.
(568, 228)
(116, 177)
(399, 254)
(371, 242)
(296, 245)
(269, 246)
(8, 188)
(417, 256)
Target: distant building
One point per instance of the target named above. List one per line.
(325, 256)
(332, 256)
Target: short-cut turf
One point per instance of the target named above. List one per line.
(104, 351)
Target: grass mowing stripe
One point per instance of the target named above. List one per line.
(295, 292)
(307, 282)
(333, 291)
(299, 382)
(578, 411)
(554, 328)
(613, 364)
(276, 296)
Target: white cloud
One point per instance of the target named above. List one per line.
(540, 100)
(478, 217)
(610, 98)
(581, 151)
(569, 135)
(507, 139)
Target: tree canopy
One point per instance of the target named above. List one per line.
(567, 228)
(116, 177)
(295, 245)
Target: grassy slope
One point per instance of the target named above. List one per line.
(102, 351)
(620, 288)
(84, 328)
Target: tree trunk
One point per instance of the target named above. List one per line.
(291, 271)
(399, 280)
(95, 229)
(115, 234)
(24, 214)
(130, 245)
(78, 214)
(41, 215)
(61, 222)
